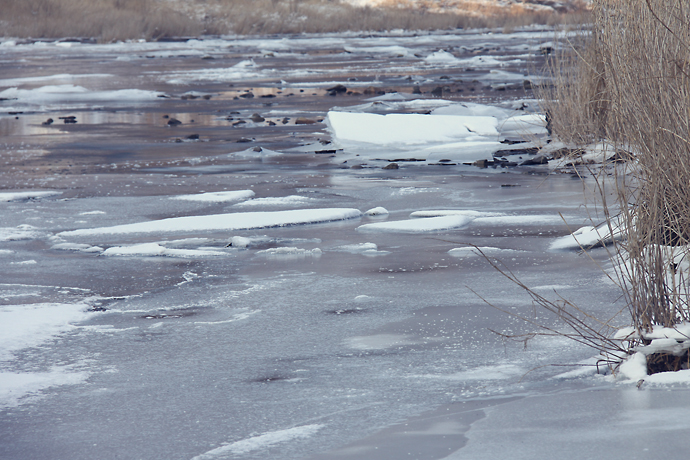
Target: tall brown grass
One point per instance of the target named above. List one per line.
(108, 20)
(629, 83)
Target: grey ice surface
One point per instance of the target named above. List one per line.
(327, 354)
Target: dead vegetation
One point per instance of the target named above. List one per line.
(626, 81)
(109, 20)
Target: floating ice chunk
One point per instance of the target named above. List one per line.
(455, 212)
(429, 225)
(292, 200)
(217, 197)
(28, 195)
(21, 232)
(367, 249)
(240, 242)
(155, 249)
(62, 93)
(588, 237)
(378, 211)
(77, 247)
(441, 57)
(231, 221)
(410, 129)
(263, 441)
(243, 69)
(91, 213)
(63, 76)
(290, 253)
(23, 326)
(524, 125)
(475, 252)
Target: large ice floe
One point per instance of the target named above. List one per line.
(230, 221)
(467, 132)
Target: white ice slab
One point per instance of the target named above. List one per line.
(217, 197)
(397, 128)
(228, 222)
(72, 93)
(429, 225)
(26, 195)
(155, 249)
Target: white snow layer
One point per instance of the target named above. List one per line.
(262, 441)
(230, 221)
(217, 197)
(23, 326)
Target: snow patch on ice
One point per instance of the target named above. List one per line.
(377, 211)
(260, 442)
(21, 232)
(16, 387)
(23, 326)
(496, 372)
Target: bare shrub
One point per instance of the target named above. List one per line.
(629, 83)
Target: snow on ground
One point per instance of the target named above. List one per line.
(28, 195)
(232, 221)
(260, 442)
(216, 197)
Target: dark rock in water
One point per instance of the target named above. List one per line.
(48, 122)
(337, 89)
(247, 95)
(174, 122)
(539, 160)
(270, 123)
(304, 121)
(391, 166)
(285, 120)
(546, 50)
(256, 118)
(178, 141)
(207, 96)
(325, 151)
(189, 96)
(69, 119)
(166, 116)
(193, 137)
(357, 167)
(244, 140)
(437, 92)
(258, 149)
(527, 151)
(97, 308)
(416, 90)
(238, 123)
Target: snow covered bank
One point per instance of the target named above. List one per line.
(231, 221)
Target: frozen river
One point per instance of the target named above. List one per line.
(203, 256)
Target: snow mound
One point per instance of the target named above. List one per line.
(217, 197)
(588, 237)
(428, 225)
(224, 222)
(378, 211)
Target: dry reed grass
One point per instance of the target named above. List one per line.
(108, 20)
(629, 84)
